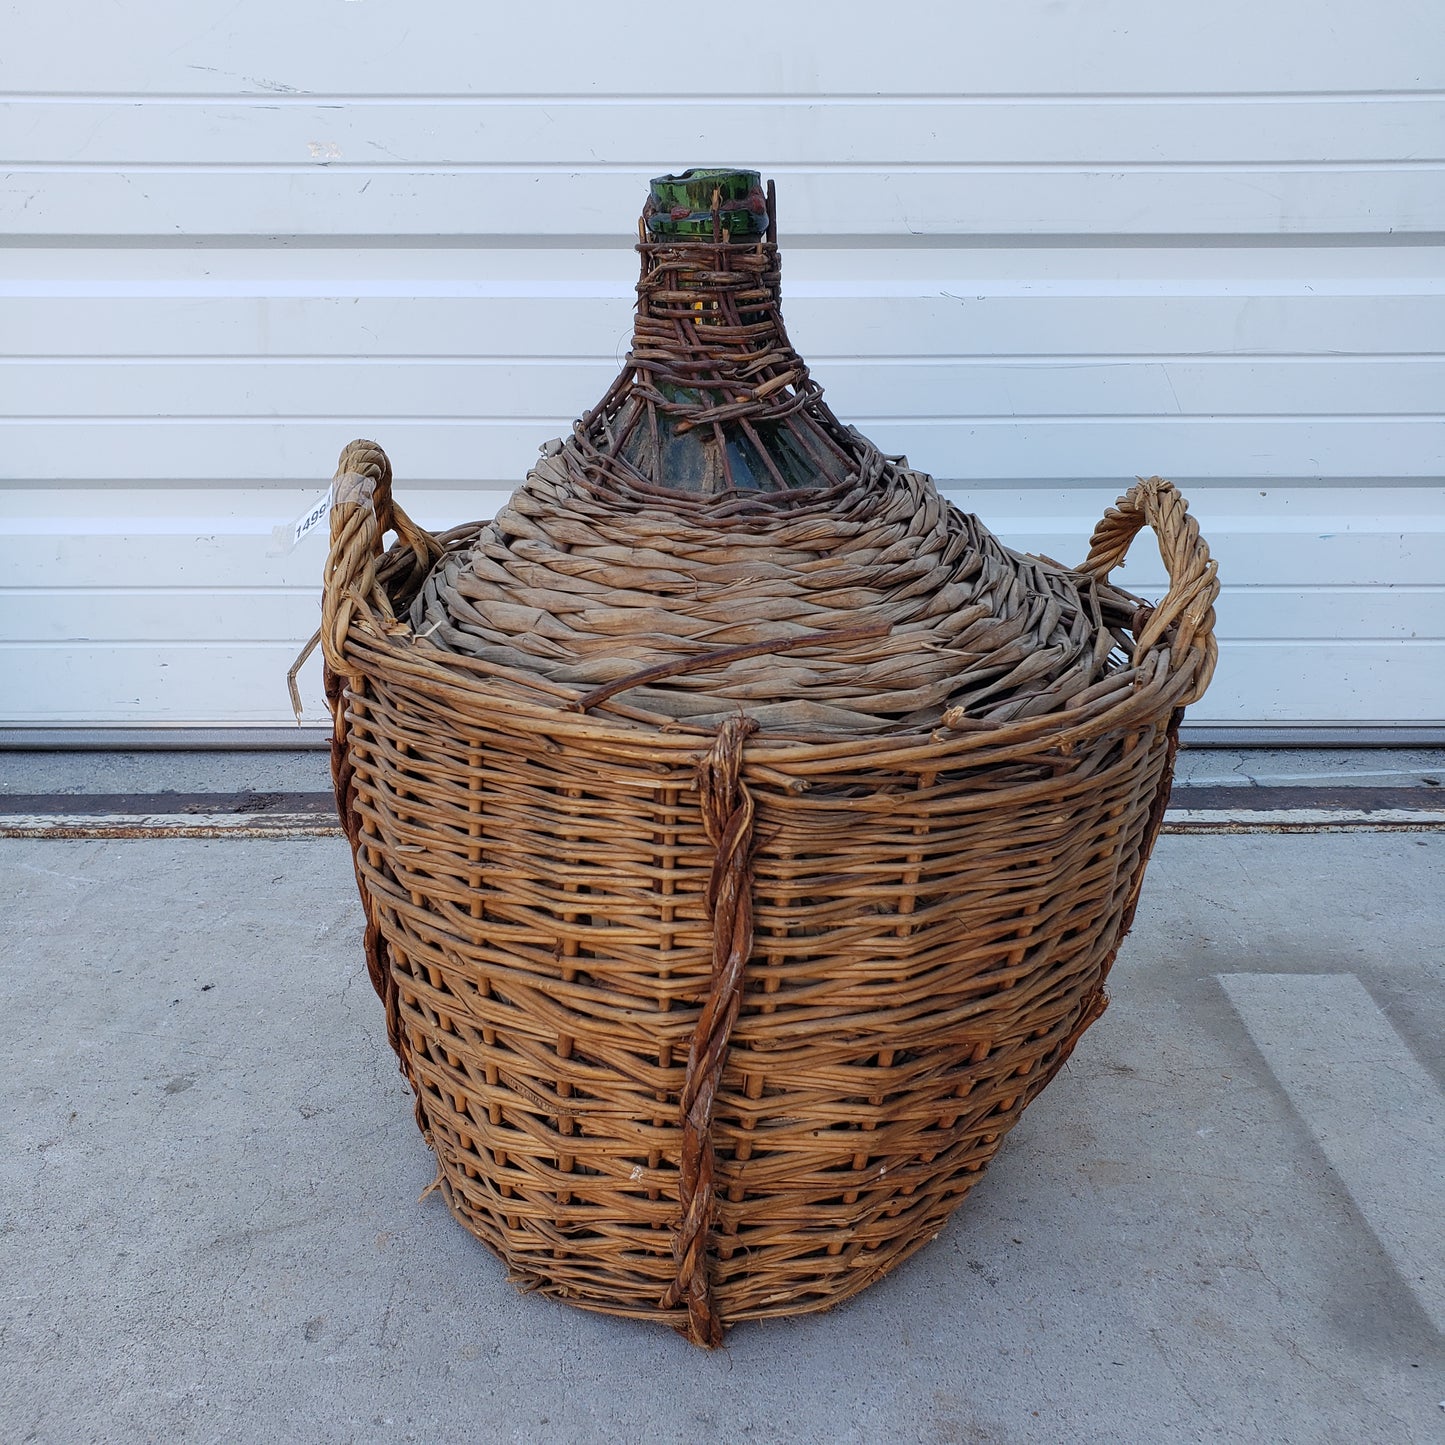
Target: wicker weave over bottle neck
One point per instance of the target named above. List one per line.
(713, 399)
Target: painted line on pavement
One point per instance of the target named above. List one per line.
(1374, 1111)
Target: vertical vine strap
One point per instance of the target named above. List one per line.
(727, 815)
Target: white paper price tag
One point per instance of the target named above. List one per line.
(288, 538)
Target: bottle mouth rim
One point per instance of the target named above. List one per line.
(704, 200)
(738, 176)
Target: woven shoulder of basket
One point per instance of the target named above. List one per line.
(738, 864)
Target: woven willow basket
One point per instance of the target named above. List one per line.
(720, 980)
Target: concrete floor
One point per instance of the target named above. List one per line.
(210, 1227)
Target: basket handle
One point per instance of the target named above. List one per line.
(362, 513)
(1188, 606)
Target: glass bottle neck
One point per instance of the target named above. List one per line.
(713, 399)
(729, 404)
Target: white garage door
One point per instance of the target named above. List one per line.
(1040, 248)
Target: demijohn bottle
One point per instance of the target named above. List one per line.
(745, 833)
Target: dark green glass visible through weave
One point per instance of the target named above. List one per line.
(682, 204)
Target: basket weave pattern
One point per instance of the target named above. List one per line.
(721, 960)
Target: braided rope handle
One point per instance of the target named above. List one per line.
(1188, 606)
(362, 513)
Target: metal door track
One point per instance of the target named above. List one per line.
(1236, 809)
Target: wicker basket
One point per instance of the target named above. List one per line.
(717, 1015)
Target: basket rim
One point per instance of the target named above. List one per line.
(1141, 695)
